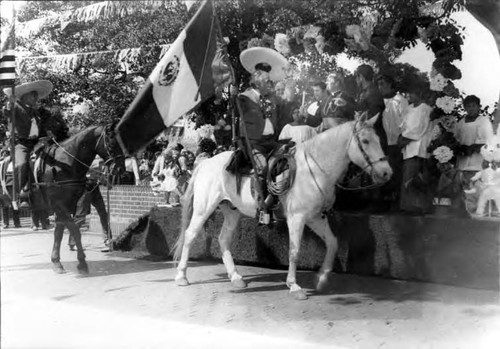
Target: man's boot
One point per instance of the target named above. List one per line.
(263, 210)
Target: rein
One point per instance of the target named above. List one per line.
(369, 162)
(77, 182)
(361, 172)
(110, 158)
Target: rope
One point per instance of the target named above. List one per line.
(282, 186)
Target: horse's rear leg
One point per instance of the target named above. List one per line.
(56, 248)
(295, 230)
(195, 226)
(75, 232)
(321, 227)
(231, 219)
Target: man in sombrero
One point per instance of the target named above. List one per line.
(27, 125)
(259, 111)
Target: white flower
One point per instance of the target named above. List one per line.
(449, 122)
(436, 132)
(443, 154)
(206, 131)
(281, 44)
(446, 103)
(360, 36)
(422, 33)
(438, 82)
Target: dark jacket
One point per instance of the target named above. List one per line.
(23, 119)
(372, 101)
(252, 116)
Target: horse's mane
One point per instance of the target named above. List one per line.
(334, 132)
(76, 138)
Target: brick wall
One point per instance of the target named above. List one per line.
(128, 202)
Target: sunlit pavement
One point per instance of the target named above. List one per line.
(133, 303)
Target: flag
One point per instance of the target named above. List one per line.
(7, 57)
(195, 65)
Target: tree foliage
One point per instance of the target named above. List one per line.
(100, 91)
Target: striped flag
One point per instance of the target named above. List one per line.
(188, 74)
(7, 56)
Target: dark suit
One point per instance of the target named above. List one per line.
(24, 143)
(253, 121)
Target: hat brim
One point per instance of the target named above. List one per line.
(252, 56)
(43, 87)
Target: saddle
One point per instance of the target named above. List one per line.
(280, 171)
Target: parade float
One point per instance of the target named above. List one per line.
(445, 247)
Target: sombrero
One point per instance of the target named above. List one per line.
(43, 87)
(257, 55)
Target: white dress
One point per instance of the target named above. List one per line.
(298, 133)
(170, 182)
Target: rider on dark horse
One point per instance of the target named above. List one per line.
(27, 127)
(34, 127)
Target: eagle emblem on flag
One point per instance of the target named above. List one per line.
(169, 72)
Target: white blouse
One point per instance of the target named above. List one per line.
(416, 126)
(468, 133)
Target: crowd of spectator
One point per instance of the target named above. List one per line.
(405, 126)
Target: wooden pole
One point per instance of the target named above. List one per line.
(16, 175)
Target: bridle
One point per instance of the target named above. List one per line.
(111, 158)
(370, 163)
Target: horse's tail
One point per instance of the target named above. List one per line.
(187, 213)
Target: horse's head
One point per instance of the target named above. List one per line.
(109, 149)
(365, 150)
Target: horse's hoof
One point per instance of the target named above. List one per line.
(299, 295)
(58, 268)
(238, 283)
(83, 268)
(182, 282)
(322, 282)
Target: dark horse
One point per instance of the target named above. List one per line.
(62, 177)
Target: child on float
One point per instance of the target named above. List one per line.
(170, 177)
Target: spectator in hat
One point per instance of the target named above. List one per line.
(27, 125)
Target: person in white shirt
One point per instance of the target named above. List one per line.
(392, 116)
(297, 130)
(472, 133)
(414, 140)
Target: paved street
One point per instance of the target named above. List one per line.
(133, 303)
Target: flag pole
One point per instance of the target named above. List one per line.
(12, 106)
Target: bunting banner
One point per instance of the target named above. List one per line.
(7, 56)
(195, 65)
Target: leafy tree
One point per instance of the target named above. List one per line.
(105, 88)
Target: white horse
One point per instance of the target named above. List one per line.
(321, 163)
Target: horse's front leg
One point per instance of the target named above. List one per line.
(231, 219)
(321, 227)
(75, 232)
(56, 248)
(295, 230)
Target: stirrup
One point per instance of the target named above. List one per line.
(264, 217)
